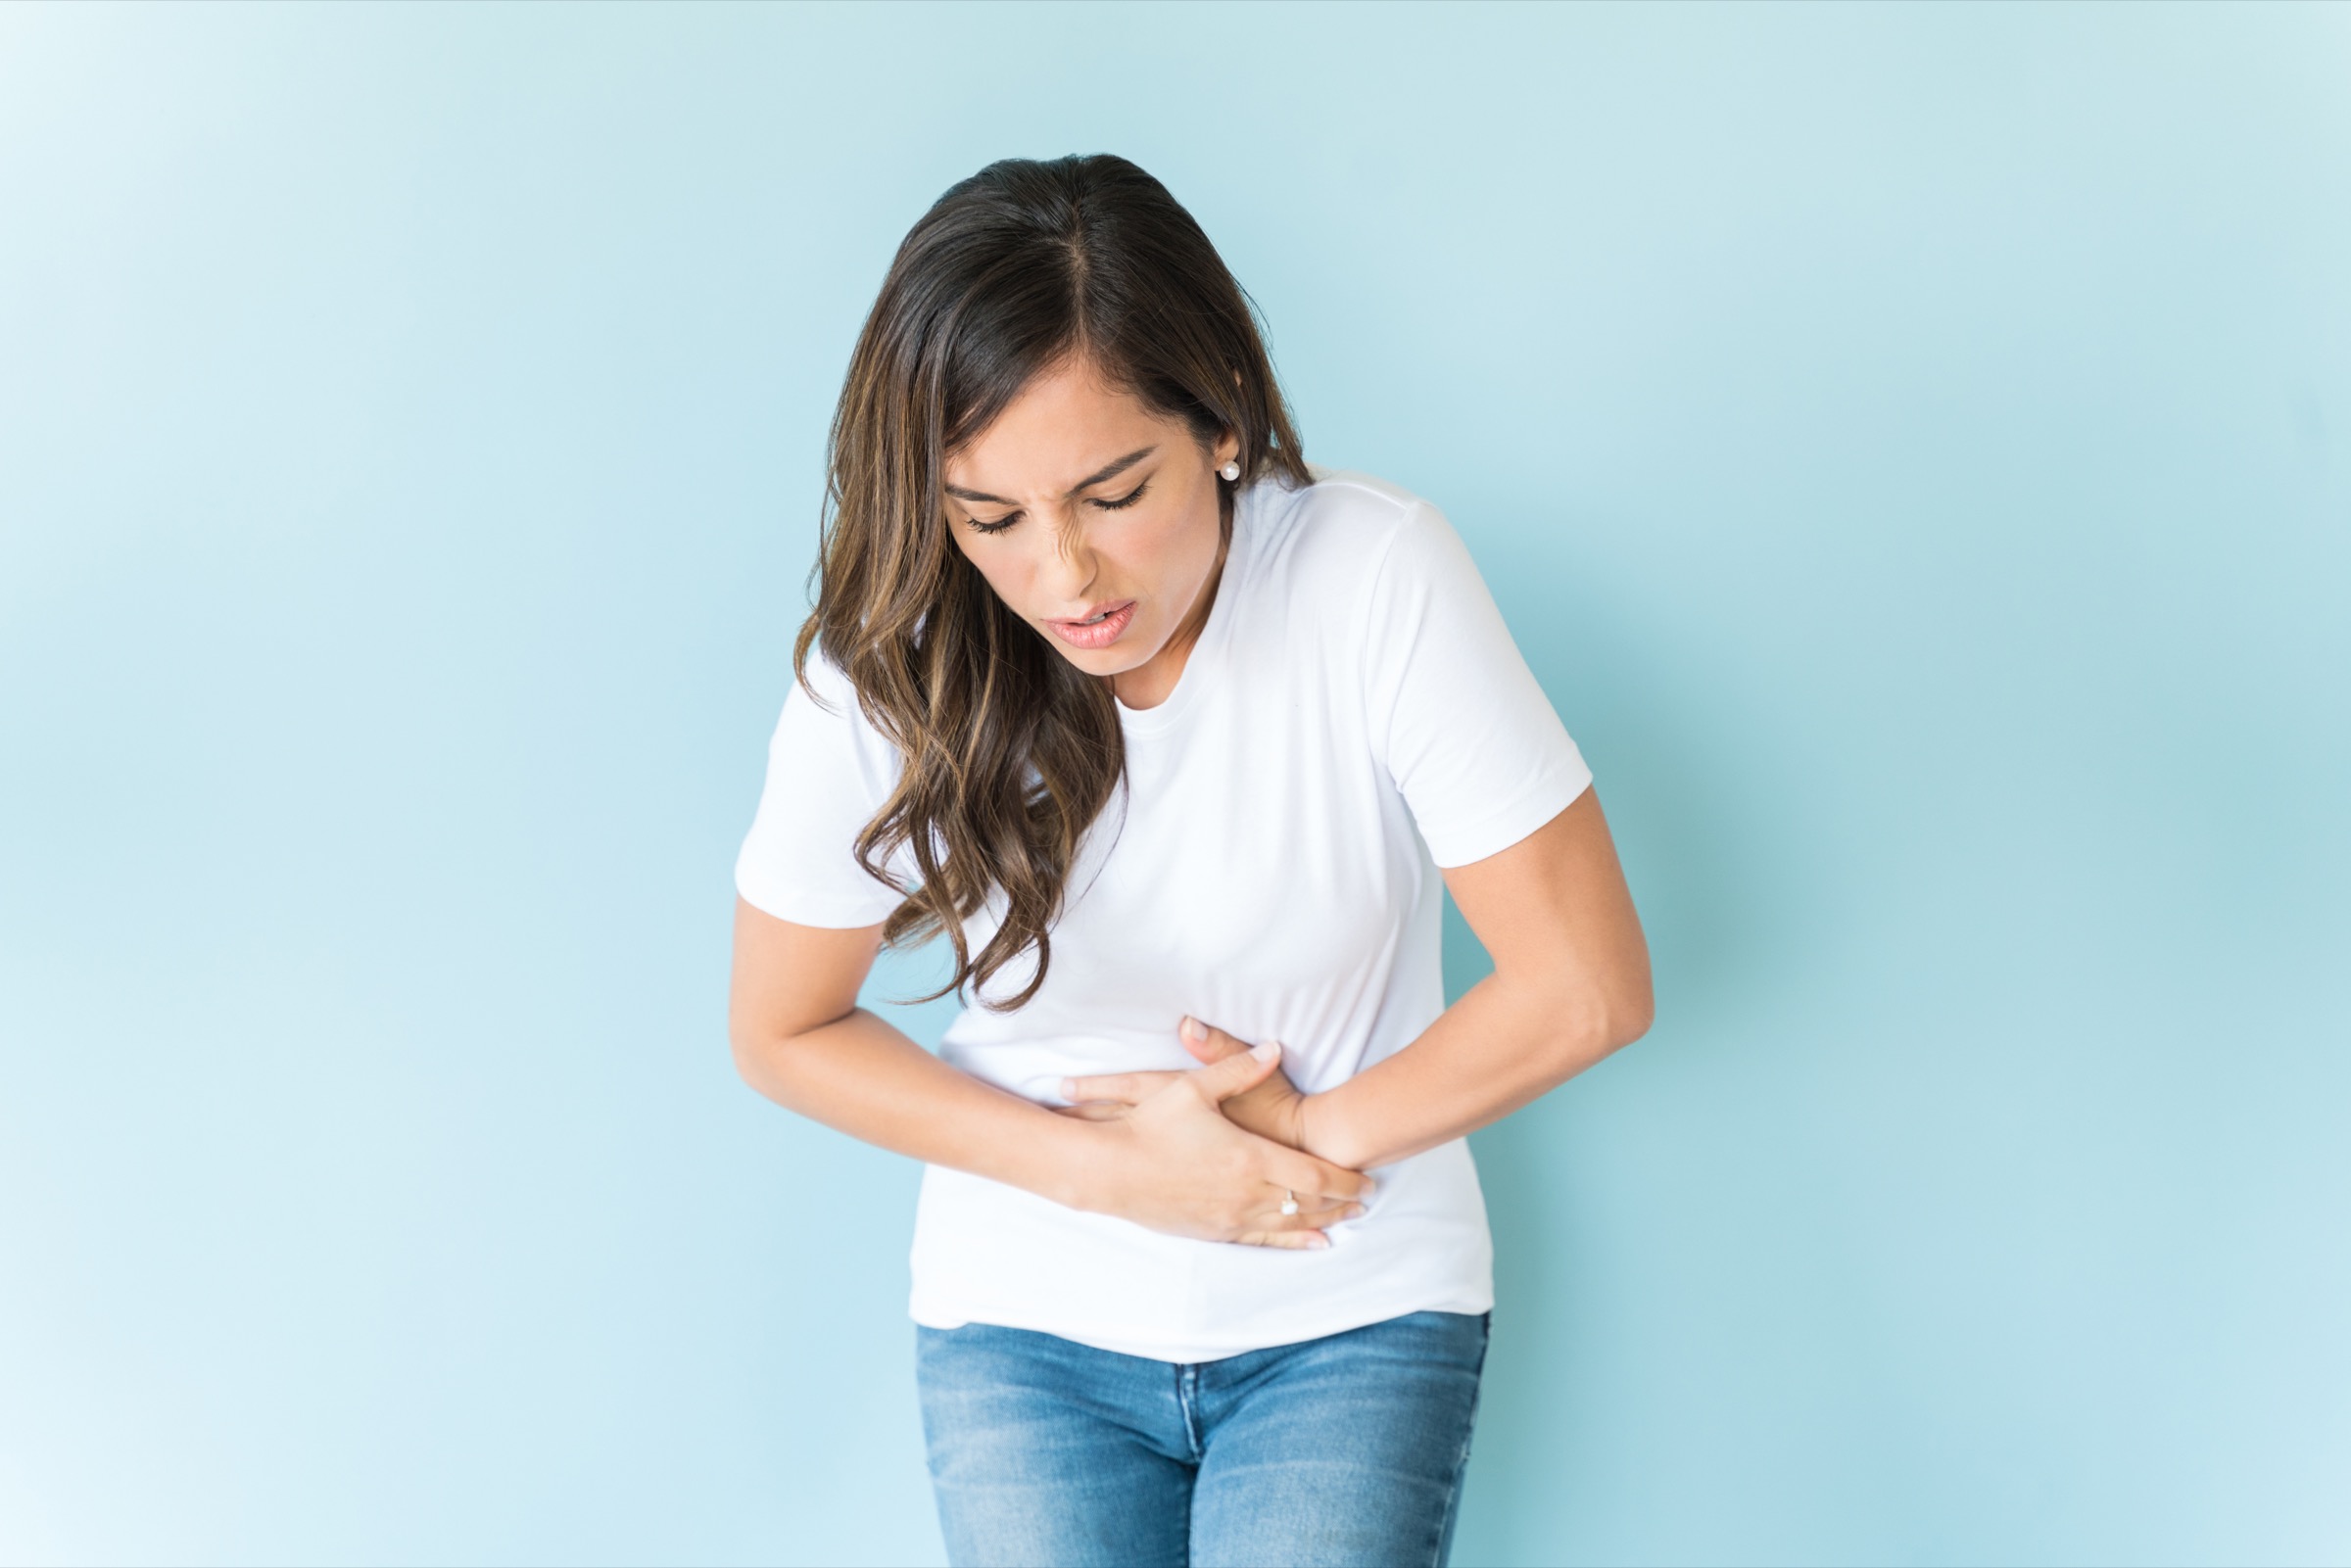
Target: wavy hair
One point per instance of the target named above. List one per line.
(1010, 752)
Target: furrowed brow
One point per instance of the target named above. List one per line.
(1107, 472)
(1112, 470)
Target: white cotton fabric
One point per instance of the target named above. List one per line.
(1354, 716)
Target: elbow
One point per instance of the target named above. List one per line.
(768, 1066)
(749, 1055)
(1631, 1017)
(778, 1061)
(1603, 1020)
(1627, 997)
(1628, 1008)
(759, 1057)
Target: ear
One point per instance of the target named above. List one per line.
(1228, 448)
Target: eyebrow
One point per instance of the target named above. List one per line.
(1109, 470)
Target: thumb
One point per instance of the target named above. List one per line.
(1206, 1041)
(1220, 1080)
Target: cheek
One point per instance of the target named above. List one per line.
(1003, 564)
(1177, 546)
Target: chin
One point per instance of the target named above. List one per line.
(1106, 661)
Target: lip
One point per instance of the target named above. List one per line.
(1103, 633)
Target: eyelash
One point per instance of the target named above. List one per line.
(1119, 505)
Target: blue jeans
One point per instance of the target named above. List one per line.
(1345, 1449)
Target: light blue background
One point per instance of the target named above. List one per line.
(1913, 445)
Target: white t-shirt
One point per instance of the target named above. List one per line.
(1354, 716)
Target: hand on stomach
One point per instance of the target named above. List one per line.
(1178, 1153)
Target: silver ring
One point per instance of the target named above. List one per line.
(1289, 1202)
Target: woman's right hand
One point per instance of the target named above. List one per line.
(1174, 1162)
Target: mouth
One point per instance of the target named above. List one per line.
(1098, 630)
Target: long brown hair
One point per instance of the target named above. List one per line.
(1010, 752)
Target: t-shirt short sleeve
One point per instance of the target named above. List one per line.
(1469, 736)
(828, 772)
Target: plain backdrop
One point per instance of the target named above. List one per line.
(1913, 445)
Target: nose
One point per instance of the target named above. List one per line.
(1068, 569)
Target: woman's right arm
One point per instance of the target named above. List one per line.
(1174, 1164)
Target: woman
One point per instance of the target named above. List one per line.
(1171, 737)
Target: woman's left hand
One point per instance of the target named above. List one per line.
(1274, 1109)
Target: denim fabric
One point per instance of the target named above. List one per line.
(1346, 1449)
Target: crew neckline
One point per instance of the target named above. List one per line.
(1208, 651)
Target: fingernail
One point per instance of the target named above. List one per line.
(1266, 1050)
(1316, 1243)
(1069, 1088)
(1191, 1028)
(1354, 1210)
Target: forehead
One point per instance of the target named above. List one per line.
(1063, 426)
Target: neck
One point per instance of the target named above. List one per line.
(1150, 683)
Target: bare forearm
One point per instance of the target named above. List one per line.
(1496, 1049)
(1570, 984)
(862, 1076)
(1176, 1165)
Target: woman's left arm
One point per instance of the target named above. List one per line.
(1570, 984)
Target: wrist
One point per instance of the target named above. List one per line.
(1321, 1128)
(1076, 1163)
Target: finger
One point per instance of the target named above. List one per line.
(1293, 1240)
(1128, 1088)
(1302, 1172)
(1093, 1111)
(1206, 1041)
(1310, 1216)
(1220, 1080)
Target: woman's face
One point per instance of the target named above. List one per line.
(1095, 519)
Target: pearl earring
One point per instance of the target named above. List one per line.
(1230, 472)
